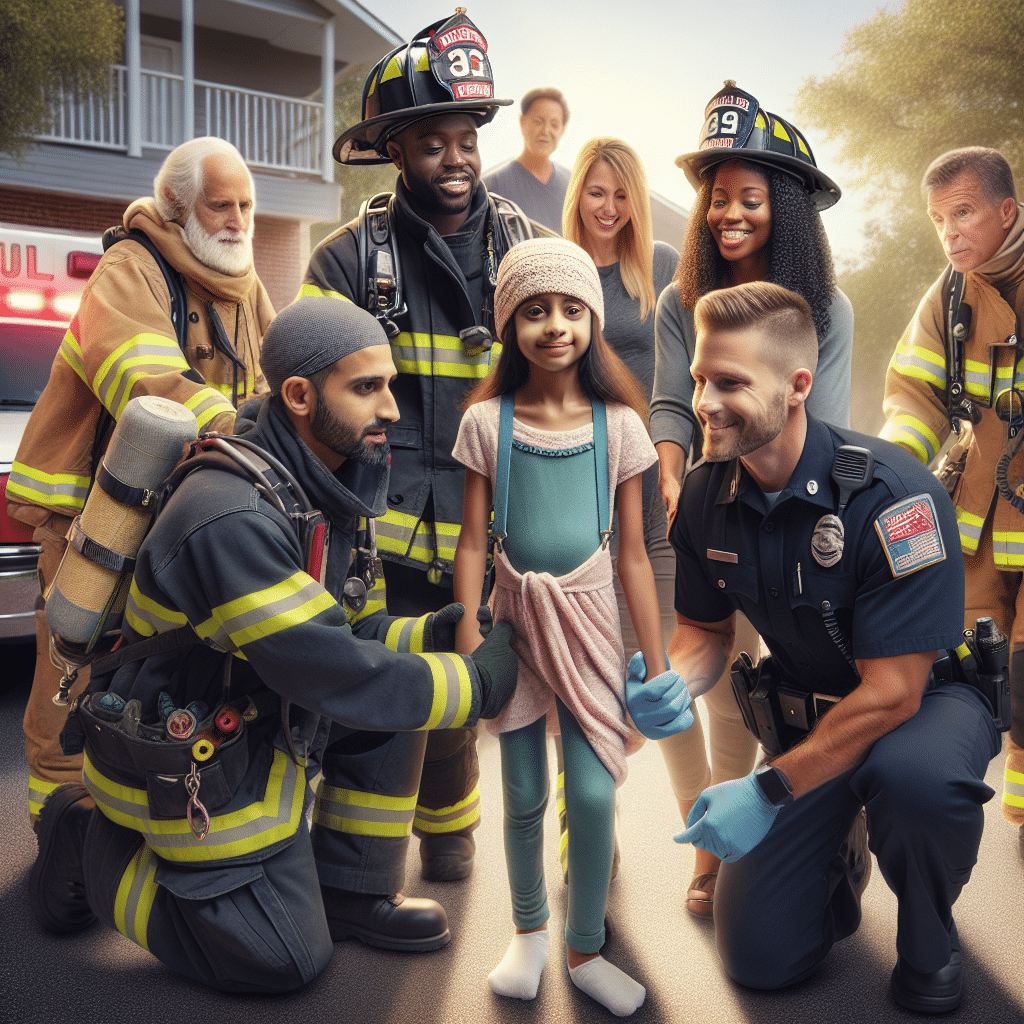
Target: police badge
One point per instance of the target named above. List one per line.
(827, 541)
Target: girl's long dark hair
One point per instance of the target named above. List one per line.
(799, 256)
(601, 373)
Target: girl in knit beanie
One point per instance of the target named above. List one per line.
(555, 440)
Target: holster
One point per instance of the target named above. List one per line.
(778, 713)
(157, 766)
(982, 662)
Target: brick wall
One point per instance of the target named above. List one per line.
(280, 247)
(281, 252)
(57, 212)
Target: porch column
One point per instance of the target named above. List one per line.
(327, 95)
(188, 70)
(133, 60)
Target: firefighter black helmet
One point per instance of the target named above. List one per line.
(737, 128)
(444, 70)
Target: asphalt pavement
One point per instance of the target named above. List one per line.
(100, 976)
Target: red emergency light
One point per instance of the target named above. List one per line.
(82, 264)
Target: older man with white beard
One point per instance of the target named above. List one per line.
(121, 344)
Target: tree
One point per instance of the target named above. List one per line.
(933, 76)
(358, 183)
(46, 45)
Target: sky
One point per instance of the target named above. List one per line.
(644, 71)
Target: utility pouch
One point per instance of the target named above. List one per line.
(778, 714)
(754, 689)
(160, 767)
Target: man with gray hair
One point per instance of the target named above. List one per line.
(174, 309)
(958, 368)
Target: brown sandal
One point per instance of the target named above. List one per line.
(700, 900)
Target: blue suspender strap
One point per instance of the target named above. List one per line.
(501, 476)
(604, 512)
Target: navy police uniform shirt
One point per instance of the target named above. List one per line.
(890, 581)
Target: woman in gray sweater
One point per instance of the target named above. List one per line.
(607, 212)
(755, 219)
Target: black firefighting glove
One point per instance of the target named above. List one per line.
(439, 628)
(497, 666)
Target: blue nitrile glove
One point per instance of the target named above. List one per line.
(729, 819)
(659, 707)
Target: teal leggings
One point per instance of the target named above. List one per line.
(590, 809)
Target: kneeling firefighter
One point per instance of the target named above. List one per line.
(241, 678)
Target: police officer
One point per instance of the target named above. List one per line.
(430, 253)
(846, 562)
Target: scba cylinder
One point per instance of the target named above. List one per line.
(90, 587)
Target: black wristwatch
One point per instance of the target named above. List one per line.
(777, 789)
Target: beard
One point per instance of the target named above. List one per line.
(210, 250)
(348, 441)
(753, 434)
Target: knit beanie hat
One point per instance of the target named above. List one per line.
(312, 334)
(541, 265)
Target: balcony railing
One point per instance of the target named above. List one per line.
(275, 132)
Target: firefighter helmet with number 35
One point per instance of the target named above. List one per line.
(444, 70)
(736, 127)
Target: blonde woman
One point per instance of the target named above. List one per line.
(608, 213)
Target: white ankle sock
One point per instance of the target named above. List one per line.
(611, 987)
(518, 974)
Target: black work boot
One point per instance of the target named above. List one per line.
(397, 922)
(933, 991)
(447, 856)
(56, 884)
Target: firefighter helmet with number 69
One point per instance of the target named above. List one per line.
(444, 70)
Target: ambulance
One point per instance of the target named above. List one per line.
(42, 274)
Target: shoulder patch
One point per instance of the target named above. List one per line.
(910, 534)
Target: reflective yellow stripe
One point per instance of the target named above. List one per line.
(970, 527)
(1013, 787)
(563, 833)
(209, 403)
(405, 635)
(71, 352)
(401, 534)
(913, 434)
(38, 791)
(453, 691)
(453, 818)
(146, 355)
(977, 379)
(315, 291)
(920, 363)
(1008, 548)
(238, 833)
(146, 616)
(51, 490)
(135, 894)
(376, 601)
(265, 612)
(364, 814)
(440, 355)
